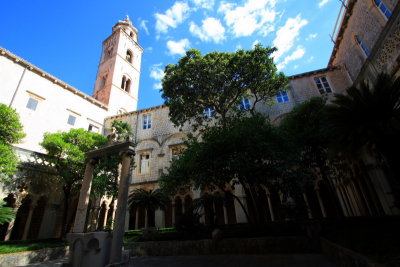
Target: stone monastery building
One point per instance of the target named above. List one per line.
(367, 41)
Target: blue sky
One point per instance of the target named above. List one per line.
(64, 37)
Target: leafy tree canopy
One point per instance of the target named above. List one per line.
(10, 133)
(367, 117)
(123, 129)
(219, 80)
(6, 213)
(244, 150)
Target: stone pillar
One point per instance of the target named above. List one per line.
(321, 204)
(225, 214)
(240, 215)
(308, 206)
(84, 195)
(18, 204)
(146, 223)
(173, 211)
(103, 224)
(114, 209)
(160, 218)
(29, 219)
(119, 226)
(271, 209)
(137, 219)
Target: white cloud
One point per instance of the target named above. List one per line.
(254, 15)
(287, 34)
(207, 4)
(172, 17)
(157, 73)
(256, 42)
(178, 48)
(149, 49)
(157, 86)
(311, 36)
(211, 30)
(322, 3)
(310, 59)
(143, 26)
(297, 54)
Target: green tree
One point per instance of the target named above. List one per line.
(123, 129)
(150, 200)
(367, 120)
(67, 155)
(245, 150)
(6, 213)
(219, 80)
(308, 137)
(10, 133)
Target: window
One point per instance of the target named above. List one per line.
(323, 85)
(176, 151)
(146, 122)
(92, 128)
(362, 45)
(144, 163)
(32, 103)
(244, 104)
(71, 120)
(209, 112)
(126, 84)
(129, 56)
(282, 97)
(381, 6)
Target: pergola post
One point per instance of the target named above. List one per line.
(80, 217)
(119, 225)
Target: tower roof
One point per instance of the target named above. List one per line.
(125, 23)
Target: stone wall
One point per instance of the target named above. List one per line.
(24, 258)
(261, 245)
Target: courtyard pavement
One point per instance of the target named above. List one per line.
(281, 260)
(274, 260)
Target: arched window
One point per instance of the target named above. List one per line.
(129, 56)
(123, 82)
(128, 85)
(131, 34)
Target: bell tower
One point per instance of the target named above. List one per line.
(117, 81)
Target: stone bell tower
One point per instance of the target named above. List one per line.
(117, 81)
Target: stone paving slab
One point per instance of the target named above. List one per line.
(281, 260)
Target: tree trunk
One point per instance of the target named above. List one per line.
(67, 193)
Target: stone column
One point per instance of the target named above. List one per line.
(160, 218)
(137, 219)
(114, 209)
(271, 209)
(173, 211)
(29, 219)
(225, 214)
(321, 204)
(18, 204)
(119, 226)
(84, 195)
(103, 224)
(146, 223)
(240, 215)
(308, 206)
